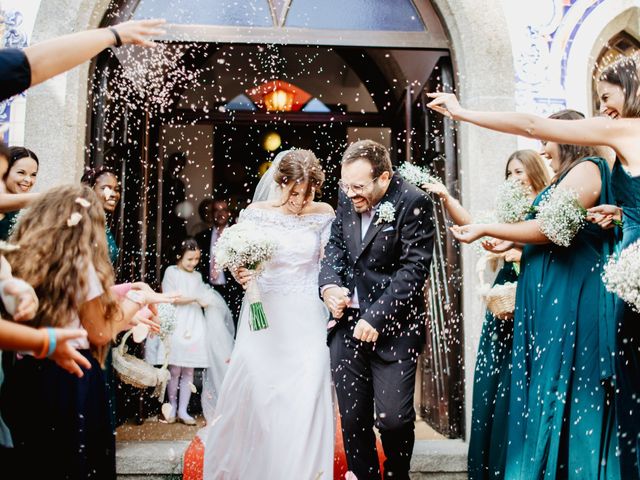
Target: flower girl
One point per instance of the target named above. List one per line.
(203, 334)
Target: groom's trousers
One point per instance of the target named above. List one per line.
(366, 384)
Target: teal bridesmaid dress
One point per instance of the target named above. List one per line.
(114, 251)
(491, 379)
(626, 190)
(7, 223)
(561, 423)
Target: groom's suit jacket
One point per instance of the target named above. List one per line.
(389, 267)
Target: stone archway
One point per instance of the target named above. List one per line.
(481, 49)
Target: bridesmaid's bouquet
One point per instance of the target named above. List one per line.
(513, 202)
(560, 215)
(167, 320)
(246, 245)
(416, 175)
(622, 275)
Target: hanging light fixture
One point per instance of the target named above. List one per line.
(278, 96)
(278, 100)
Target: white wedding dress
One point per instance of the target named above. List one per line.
(274, 419)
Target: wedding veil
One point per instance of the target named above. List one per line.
(267, 188)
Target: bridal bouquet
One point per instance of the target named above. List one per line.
(622, 275)
(246, 245)
(513, 202)
(416, 175)
(560, 215)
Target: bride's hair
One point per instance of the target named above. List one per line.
(300, 166)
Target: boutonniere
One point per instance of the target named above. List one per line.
(386, 213)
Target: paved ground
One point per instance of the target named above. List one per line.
(154, 430)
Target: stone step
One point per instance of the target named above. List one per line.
(162, 460)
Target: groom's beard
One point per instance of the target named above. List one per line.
(364, 203)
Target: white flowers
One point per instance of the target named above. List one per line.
(622, 275)
(83, 202)
(74, 219)
(167, 320)
(560, 215)
(416, 175)
(244, 245)
(386, 213)
(513, 202)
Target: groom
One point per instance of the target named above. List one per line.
(372, 278)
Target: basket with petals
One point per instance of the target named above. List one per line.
(135, 371)
(501, 300)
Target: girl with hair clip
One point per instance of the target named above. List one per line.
(492, 376)
(62, 418)
(203, 336)
(561, 424)
(20, 302)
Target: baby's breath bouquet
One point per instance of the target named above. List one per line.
(416, 175)
(246, 245)
(622, 275)
(560, 215)
(167, 319)
(513, 202)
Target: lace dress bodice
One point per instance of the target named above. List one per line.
(300, 241)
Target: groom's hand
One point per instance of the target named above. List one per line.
(336, 299)
(365, 332)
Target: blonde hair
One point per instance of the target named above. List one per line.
(534, 167)
(55, 255)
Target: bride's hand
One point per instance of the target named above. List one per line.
(243, 276)
(445, 103)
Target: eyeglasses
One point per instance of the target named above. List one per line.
(357, 189)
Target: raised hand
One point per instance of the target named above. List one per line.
(364, 332)
(446, 104)
(606, 216)
(137, 32)
(468, 233)
(437, 188)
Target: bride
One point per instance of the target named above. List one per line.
(274, 417)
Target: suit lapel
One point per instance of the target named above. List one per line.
(392, 195)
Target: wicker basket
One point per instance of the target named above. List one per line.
(138, 373)
(501, 300)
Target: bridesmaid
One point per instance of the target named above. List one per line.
(620, 129)
(613, 84)
(104, 182)
(559, 417)
(492, 376)
(19, 180)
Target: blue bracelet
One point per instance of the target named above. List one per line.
(52, 341)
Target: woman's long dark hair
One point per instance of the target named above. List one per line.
(571, 155)
(624, 74)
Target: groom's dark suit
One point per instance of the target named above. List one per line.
(389, 269)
